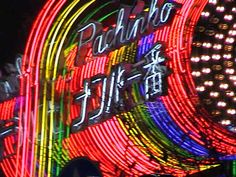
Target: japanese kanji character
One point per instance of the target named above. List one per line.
(155, 72)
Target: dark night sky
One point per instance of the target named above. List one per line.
(16, 18)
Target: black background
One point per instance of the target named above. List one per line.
(16, 18)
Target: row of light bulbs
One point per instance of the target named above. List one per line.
(227, 17)
(226, 56)
(213, 61)
(228, 71)
(222, 86)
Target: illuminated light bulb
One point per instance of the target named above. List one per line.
(234, 99)
(224, 86)
(217, 46)
(231, 111)
(196, 73)
(206, 70)
(229, 40)
(195, 59)
(216, 56)
(207, 45)
(232, 32)
(234, 9)
(214, 2)
(220, 8)
(233, 78)
(230, 93)
(205, 57)
(221, 104)
(214, 94)
(227, 56)
(229, 71)
(234, 26)
(219, 36)
(228, 17)
(200, 88)
(208, 83)
(225, 122)
(205, 14)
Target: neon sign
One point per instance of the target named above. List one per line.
(126, 29)
(150, 75)
(163, 135)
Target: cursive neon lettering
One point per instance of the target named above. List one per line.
(126, 29)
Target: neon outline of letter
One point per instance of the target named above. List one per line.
(81, 31)
(86, 93)
(103, 99)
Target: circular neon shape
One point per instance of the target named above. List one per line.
(168, 135)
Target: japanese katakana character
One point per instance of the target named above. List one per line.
(94, 116)
(77, 123)
(117, 82)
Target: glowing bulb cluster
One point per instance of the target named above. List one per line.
(229, 40)
(230, 71)
(195, 59)
(224, 86)
(221, 104)
(220, 8)
(214, 2)
(207, 45)
(225, 122)
(227, 56)
(216, 56)
(217, 46)
(234, 9)
(219, 36)
(231, 111)
(232, 32)
(230, 93)
(205, 14)
(228, 17)
(206, 70)
(205, 57)
(213, 61)
(208, 83)
(196, 73)
(214, 94)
